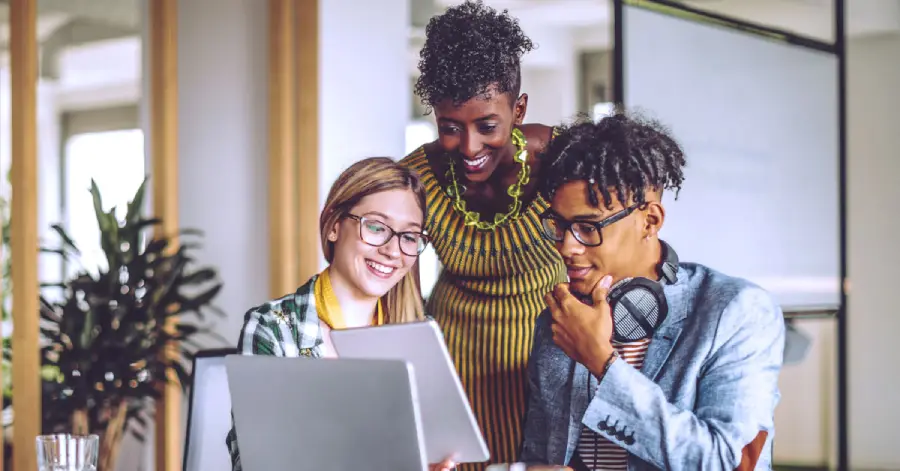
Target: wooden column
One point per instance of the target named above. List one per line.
(24, 239)
(282, 149)
(307, 164)
(164, 157)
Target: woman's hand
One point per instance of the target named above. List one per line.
(446, 465)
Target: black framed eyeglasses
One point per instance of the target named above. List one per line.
(588, 233)
(377, 233)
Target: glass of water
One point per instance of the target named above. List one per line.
(65, 452)
(507, 467)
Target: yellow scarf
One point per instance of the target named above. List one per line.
(328, 308)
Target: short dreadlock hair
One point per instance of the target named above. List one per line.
(625, 153)
(470, 51)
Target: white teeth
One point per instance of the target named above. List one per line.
(380, 268)
(477, 162)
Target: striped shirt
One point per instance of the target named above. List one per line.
(598, 453)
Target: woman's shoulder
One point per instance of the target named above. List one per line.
(263, 324)
(426, 162)
(418, 158)
(538, 136)
(299, 303)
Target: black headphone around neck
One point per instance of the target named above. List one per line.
(639, 304)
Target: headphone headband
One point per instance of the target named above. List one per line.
(668, 266)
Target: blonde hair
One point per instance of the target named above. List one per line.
(403, 303)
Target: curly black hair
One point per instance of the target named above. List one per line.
(625, 152)
(468, 50)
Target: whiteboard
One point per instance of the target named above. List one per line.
(758, 120)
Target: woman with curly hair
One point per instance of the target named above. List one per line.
(483, 211)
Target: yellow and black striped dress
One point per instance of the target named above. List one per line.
(486, 301)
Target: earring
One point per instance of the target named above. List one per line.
(332, 237)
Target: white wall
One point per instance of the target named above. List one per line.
(552, 92)
(364, 87)
(874, 314)
(48, 148)
(811, 18)
(223, 104)
(550, 75)
(806, 418)
(48, 134)
(222, 152)
(98, 74)
(222, 146)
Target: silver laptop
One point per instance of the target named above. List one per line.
(449, 424)
(325, 414)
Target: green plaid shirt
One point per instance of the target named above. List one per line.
(285, 327)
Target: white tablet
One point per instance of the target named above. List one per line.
(447, 419)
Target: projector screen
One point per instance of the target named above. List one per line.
(758, 121)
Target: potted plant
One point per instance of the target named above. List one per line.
(115, 337)
(5, 320)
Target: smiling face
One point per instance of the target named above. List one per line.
(629, 246)
(372, 271)
(478, 133)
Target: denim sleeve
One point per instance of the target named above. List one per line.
(736, 396)
(535, 433)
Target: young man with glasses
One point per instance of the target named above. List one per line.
(641, 361)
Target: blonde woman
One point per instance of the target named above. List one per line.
(372, 235)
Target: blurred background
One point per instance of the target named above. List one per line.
(242, 113)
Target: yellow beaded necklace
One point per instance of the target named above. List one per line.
(472, 218)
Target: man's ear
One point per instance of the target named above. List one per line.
(653, 222)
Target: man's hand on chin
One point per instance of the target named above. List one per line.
(583, 332)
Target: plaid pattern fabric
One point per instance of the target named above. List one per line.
(285, 327)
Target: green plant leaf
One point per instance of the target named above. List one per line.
(156, 247)
(53, 285)
(67, 241)
(199, 276)
(136, 206)
(182, 374)
(142, 224)
(98, 205)
(206, 297)
(87, 328)
(192, 232)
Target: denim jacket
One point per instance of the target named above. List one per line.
(707, 389)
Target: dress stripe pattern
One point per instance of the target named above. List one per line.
(486, 301)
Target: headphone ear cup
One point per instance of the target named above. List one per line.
(638, 308)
